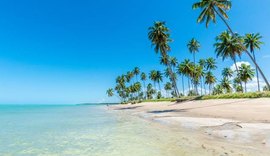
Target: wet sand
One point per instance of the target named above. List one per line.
(220, 127)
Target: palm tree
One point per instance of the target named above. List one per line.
(197, 75)
(129, 76)
(193, 47)
(185, 69)
(218, 89)
(110, 92)
(210, 64)
(143, 79)
(159, 78)
(168, 87)
(136, 72)
(150, 91)
(226, 84)
(246, 73)
(160, 38)
(227, 72)
(211, 8)
(202, 63)
(252, 42)
(152, 76)
(229, 46)
(173, 62)
(210, 79)
(236, 85)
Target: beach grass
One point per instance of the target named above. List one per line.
(250, 95)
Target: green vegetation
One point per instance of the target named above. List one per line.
(228, 45)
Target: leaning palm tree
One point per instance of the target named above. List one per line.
(211, 8)
(252, 42)
(210, 79)
(136, 72)
(229, 46)
(160, 38)
(246, 73)
(210, 64)
(227, 72)
(110, 92)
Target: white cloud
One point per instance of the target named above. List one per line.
(238, 64)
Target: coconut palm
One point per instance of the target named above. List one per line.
(150, 91)
(196, 76)
(159, 78)
(193, 47)
(136, 72)
(202, 63)
(211, 8)
(229, 46)
(110, 92)
(143, 79)
(227, 72)
(236, 85)
(129, 76)
(152, 76)
(210, 64)
(246, 73)
(185, 69)
(173, 62)
(253, 42)
(210, 79)
(160, 38)
(226, 84)
(218, 89)
(168, 87)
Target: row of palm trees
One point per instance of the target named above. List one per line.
(229, 45)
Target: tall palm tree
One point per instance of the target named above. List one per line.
(196, 76)
(202, 63)
(210, 79)
(193, 47)
(185, 69)
(252, 42)
(143, 79)
(227, 72)
(246, 73)
(160, 38)
(229, 46)
(218, 89)
(110, 92)
(211, 8)
(210, 64)
(152, 76)
(173, 62)
(136, 72)
(159, 78)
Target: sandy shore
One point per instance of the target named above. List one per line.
(235, 124)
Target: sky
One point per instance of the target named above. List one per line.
(67, 52)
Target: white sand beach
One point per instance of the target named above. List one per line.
(241, 126)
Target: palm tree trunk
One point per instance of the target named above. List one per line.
(173, 80)
(245, 49)
(259, 88)
(189, 84)
(201, 87)
(246, 87)
(209, 89)
(204, 86)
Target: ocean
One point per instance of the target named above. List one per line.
(85, 130)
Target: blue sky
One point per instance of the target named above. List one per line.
(69, 51)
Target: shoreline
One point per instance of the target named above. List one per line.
(233, 122)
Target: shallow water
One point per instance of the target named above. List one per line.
(81, 130)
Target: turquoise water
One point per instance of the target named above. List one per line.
(80, 130)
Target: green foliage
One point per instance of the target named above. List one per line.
(238, 95)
